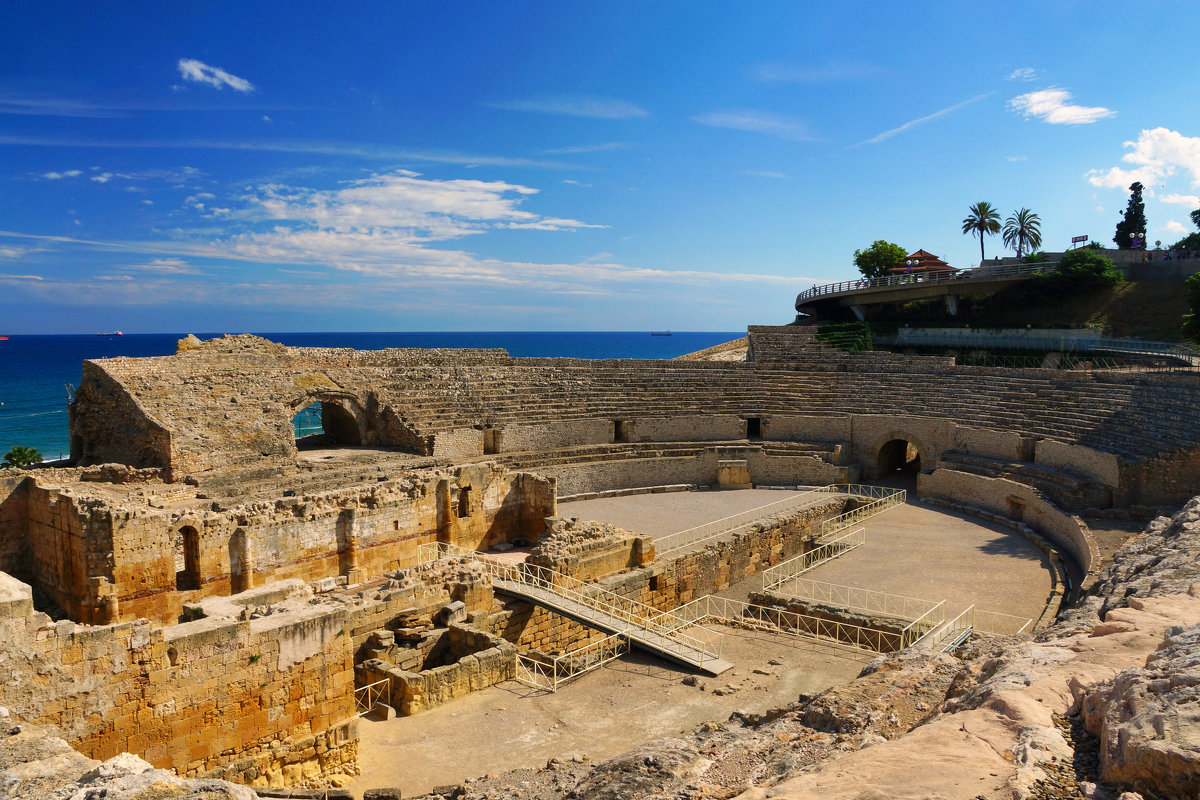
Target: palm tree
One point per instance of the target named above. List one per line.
(1023, 231)
(20, 456)
(983, 219)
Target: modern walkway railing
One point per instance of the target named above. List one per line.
(870, 601)
(777, 620)
(666, 545)
(590, 603)
(885, 498)
(972, 620)
(925, 278)
(775, 576)
(1041, 342)
(369, 696)
(554, 672)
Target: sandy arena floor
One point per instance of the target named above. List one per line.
(912, 550)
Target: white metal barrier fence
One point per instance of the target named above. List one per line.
(775, 576)
(883, 499)
(551, 673)
(369, 696)
(870, 601)
(608, 607)
(780, 621)
(665, 545)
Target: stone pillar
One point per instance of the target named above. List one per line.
(102, 604)
(241, 562)
(445, 513)
(348, 555)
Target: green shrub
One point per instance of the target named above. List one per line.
(1191, 320)
(1079, 272)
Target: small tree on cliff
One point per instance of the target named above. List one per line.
(1133, 220)
(876, 260)
(1191, 320)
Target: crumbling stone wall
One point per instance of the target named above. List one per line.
(256, 701)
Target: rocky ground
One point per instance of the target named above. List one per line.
(1104, 705)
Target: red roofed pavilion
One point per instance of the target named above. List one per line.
(921, 261)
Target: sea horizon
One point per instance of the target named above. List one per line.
(40, 370)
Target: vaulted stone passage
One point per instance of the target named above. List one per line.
(328, 422)
(899, 455)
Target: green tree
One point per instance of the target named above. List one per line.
(877, 259)
(20, 456)
(1133, 220)
(1023, 231)
(1081, 271)
(983, 220)
(1192, 240)
(1191, 320)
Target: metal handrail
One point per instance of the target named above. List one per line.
(664, 545)
(935, 277)
(572, 664)
(994, 623)
(928, 622)
(711, 608)
(633, 613)
(856, 598)
(776, 576)
(367, 697)
(887, 498)
(955, 632)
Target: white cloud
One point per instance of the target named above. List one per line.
(1175, 227)
(879, 137)
(824, 73)
(198, 71)
(1189, 200)
(165, 266)
(574, 105)
(570, 182)
(1016, 158)
(766, 173)
(763, 122)
(588, 148)
(1156, 155)
(1022, 74)
(103, 177)
(57, 176)
(12, 253)
(1054, 106)
(5, 277)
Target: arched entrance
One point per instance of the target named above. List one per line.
(327, 421)
(898, 456)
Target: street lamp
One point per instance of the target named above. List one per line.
(1137, 241)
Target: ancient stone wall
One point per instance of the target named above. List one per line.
(102, 561)
(258, 701)
(1103, 467)
(14, 525)
(1020, 502)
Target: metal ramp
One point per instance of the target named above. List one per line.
(658, 632)
(659, 640)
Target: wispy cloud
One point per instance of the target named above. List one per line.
(766, 173)
(575, 105)
(165, 266)
(570, 182)
(1188, 200)
(58, 176)
(763, 122)
(1054, 107)
(339, 149)
(1157, 154)
(880, 137)
(54, 107)
(830, 72)
(588, 148)
(199, 72)
(1014, 159)
(1022, 74)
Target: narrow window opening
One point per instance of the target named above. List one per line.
(621, 430)
(173, 656)
(489, 442)
(187, 559)
(753, 427)
(464, 501)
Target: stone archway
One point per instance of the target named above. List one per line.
(341, 420)
(899, 453)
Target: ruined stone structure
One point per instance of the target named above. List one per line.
(209, 591)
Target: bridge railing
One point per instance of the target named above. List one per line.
(935, 277)
(1042, 342)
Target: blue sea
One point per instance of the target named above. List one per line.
(36, 371)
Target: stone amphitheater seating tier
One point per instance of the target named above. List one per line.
(228, 403)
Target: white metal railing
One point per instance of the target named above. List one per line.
(367, 697)
(779, 574)
(870, 601)
(933, 277)
(566, 666)
(993, 623)
(884, 498)
(723, 610)
(616, 610)
(665, 545)
(955, 632)
(923, 625)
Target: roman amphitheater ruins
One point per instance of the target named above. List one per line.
(197, 590)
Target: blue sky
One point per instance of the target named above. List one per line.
(556, 166)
